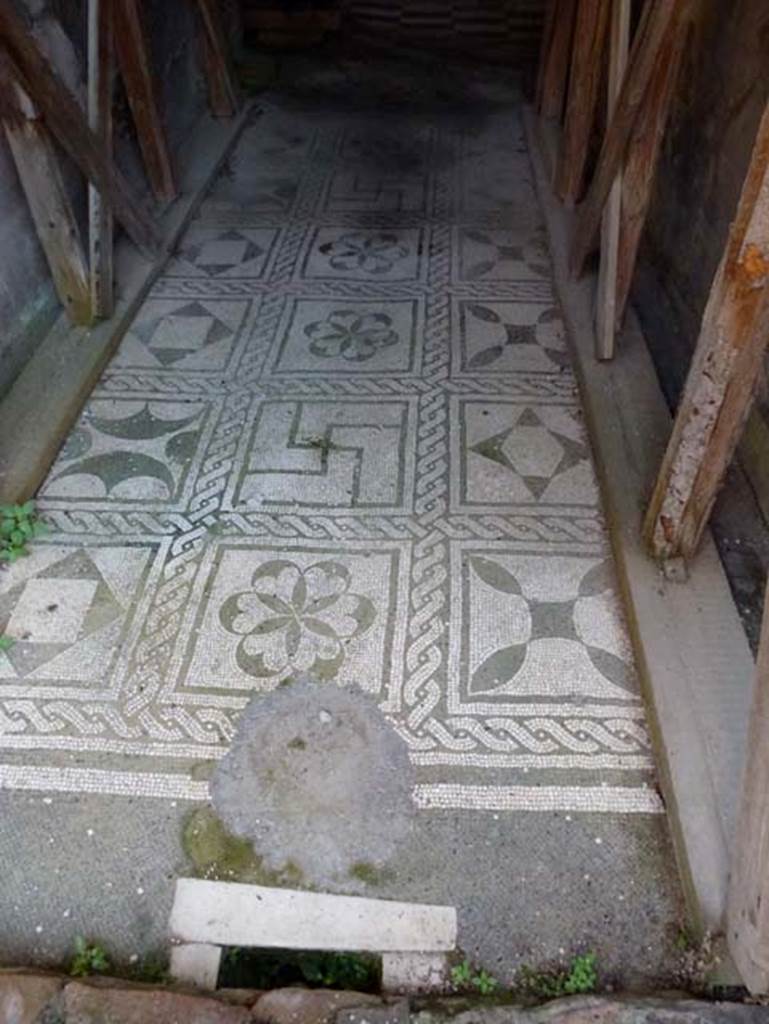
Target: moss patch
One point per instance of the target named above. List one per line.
(370, 874)
(215, 853)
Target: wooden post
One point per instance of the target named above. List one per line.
(606, 300)
(100, 226)
(659, 19)
(723, 374)
(40, 177)
(554, 65)
(584, 82)
(642, 158)
(65, 121)
(748, 906)
(136, 69)
(222, 91)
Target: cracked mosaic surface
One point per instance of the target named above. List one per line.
(342, 438)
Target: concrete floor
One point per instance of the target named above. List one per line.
(341, 443)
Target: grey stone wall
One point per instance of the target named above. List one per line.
(28, 303)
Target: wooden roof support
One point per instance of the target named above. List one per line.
(135, 62)
(582, 101)
(40, 177)
(65, 121)
(100, 225)
(554, 58)
(222, 91)
(723, 374)
(748, 907)
(642, 159)
(659, 19)
(606, 303)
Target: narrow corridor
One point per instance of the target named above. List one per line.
(343, 441)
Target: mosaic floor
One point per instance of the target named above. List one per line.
(342, 439)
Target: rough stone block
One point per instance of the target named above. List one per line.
(84, 1004)
(23, 997)
(308, 1006)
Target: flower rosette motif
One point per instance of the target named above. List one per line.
(373, 254)
(347, 334)
(295, 619)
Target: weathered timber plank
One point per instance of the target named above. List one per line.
(722, 378)
(100, 223)
(606, 299)
(65, 120)
(135, 63)
(41, 179)
(581, 104)
(658, 20)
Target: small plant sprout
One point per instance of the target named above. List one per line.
(463, 978)
(18, 526)
(89, 958)
(6, 642)
(461, 975)
(485, 983)
(582, 976)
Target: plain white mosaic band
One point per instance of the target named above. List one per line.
(93, 780)
(601, 799)
(231, 914)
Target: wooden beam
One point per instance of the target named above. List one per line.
(748, 906)
(40, 177)
(642, 159)
(723, 374)
(222, 91)
(65, 121)
(658, 20)
(135, 63)
(581, 104)
(606, 300)
(546, 44)
(554, 65)
(100, 225)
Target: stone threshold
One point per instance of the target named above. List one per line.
(31, 997)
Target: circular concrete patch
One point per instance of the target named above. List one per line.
(317, 777)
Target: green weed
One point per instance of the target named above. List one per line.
(6, 642)
(89, 958)
(580, 978)
(18, 526)
(463, 977)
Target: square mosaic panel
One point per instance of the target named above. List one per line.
(68, 610)
(371, 190)
(536, 628)
(328, 455)
(493, 337)
(507, 452)
(370, 254)
(224, 254)
(497, 255)
(267, 614)
(348, 336)
(197, 334)
(130, 451)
